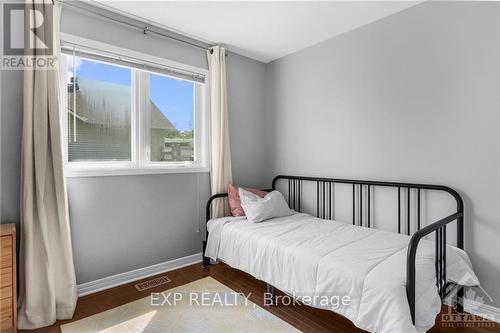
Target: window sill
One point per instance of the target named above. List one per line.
(100, 172)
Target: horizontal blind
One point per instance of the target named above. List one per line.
(141, 64)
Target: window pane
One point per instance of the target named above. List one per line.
(171, 107)
(99, 116)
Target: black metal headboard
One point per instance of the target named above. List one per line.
(324, 187)
(325, 210)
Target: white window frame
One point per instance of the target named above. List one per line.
(140, 162)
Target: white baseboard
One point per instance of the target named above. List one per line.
(479, 309)
(137, 274)
(482, 310)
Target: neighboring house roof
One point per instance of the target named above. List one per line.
(158, 119)
(105, 103)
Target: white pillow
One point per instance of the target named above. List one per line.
(259, 209)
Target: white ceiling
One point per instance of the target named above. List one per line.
(262, 30)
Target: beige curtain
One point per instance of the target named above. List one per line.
(47, 275)
(220, 153)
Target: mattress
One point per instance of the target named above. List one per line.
(311, 258)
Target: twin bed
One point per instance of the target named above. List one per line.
(390, 281)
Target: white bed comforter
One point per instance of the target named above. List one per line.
(307, 257)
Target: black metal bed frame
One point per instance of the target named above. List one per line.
(324, 209)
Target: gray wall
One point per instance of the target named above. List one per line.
(121, 223)
(10, 141)
(247, 117)
(412, 97)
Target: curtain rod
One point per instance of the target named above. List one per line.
(145, 29)
(130, 60)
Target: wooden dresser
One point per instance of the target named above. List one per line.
(8, 292)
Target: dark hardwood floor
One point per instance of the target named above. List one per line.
(304, 318)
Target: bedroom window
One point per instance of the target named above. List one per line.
(171, 122)
(99, 98)
(129, 116)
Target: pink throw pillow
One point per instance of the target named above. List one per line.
(234, 198)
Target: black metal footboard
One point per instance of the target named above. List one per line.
(439, 227)
(362, 207)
